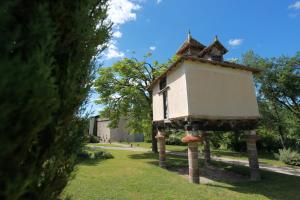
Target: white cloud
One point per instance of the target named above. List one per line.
(158, 1)
(235, 42)
(119, 12)
(293, 15)
(122, 11)
(117, 34)
(152, 48)
(112, 51)
(295, 6)
(234, 60)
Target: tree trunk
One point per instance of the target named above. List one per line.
(206, 149)
(154, 141)
(280, 128)
(154, 131)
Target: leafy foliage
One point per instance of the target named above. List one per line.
(289, 156)
(279, 97)
(47, 64)
(124, 92)
(175, 138)
(89, 153)
(93, 139)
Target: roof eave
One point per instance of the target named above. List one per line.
(202, 60)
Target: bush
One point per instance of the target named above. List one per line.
(84, 155)
(288, 156)
(103, 155)
(175, 139)
(94, 139)
(48, 55)
(93, 154)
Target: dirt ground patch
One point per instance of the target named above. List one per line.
(210, 174)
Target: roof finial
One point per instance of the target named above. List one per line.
(189, 35)
(216, 38)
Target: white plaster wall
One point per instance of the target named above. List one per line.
(103, 131)
(219, 92)
(157, 104)
(177, 93)
(177, 96)
(119, 134)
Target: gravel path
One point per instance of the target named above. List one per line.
(282, 170)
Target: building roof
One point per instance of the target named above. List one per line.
(198, 54)
(202, 60)
(216, 44)
(190, 43)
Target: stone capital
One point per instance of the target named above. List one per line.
(160, 135)
(250, 136)
(191, 138)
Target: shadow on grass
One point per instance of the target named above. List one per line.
(228, 153)
(273, 185)
(90, 161)
(241, 154)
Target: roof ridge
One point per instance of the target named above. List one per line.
(188, 43)
(215, 42)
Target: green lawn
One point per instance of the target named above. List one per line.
(168, 147)
(136, 176)
(105, 144)
(263, 158)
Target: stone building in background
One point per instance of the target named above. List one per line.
(100, 128)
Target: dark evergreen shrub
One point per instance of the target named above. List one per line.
(89, 153)
(94, 139)
(46, 66)
(103, 155)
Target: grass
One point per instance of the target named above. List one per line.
(136, 176)
(105, 144)
(263, 158)
(168, 147)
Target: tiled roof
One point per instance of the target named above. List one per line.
(202, 60)
(190, 43)
(215, 44)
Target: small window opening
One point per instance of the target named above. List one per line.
(217, 57)
(163, 85)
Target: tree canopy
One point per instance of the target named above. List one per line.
(123, 90)
(278, 94)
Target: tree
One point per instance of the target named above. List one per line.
(123, 90)
(47, 59)
(278, 89)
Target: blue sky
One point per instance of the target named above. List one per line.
(269, 27)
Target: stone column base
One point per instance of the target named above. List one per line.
(193, 162)
(192, 141)
(162, 149)
(252, 156)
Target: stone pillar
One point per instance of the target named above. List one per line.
(193, 162)
(206, 147)
(162, 148)
(251, 139)
(192, 138)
